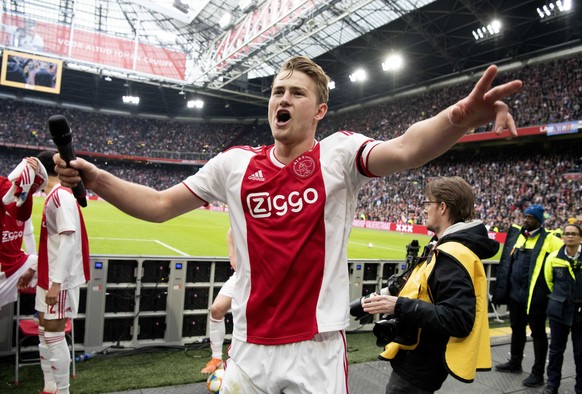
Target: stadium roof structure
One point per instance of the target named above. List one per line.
(229, 64)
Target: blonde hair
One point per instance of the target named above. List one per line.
(313, 70)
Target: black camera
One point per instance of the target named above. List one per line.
(388, 328)
(385, 330)
(357, 310)
(391, 329)
(395, 283)
(412, 250)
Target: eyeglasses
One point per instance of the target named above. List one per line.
(426, 202)
(571, 234)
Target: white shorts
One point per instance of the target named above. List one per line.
(8, 290)
(319, 365)
(228, 288)
(66, 307)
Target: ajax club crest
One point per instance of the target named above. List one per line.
(304, 166)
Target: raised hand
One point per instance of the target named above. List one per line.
(484, 105)
(26, 178)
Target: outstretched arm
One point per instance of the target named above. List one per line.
(136, 200)
(430, 138)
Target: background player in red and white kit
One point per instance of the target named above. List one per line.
(63, 266)
(17, 268)
(291, 206)
(218, 311)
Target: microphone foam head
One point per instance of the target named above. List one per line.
(60, 130)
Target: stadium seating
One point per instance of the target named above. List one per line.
(504, 177)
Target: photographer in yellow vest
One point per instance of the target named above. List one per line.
(437, 324)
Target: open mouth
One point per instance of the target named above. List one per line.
(283, 116)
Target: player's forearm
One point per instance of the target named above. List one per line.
(421, 143)
(133, 199)
(25, 210)
(431, 137)
(145, 202)
(136, 200)
(28, 238)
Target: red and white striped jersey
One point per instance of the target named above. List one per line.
(11, 254)
(290, 225)
(62, 214)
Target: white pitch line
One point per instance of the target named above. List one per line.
(171, 248)
(379, 247)
(143, 240)
(123, 239)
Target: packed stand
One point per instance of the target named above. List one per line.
(26, 124)
(552, 93)
(504, 182)
(156, 175)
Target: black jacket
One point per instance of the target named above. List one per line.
(537, 289)
(451, 313)
(565, 300)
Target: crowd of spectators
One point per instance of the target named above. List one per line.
(160, 176)
(505, 179)
(552, 93)
(26, 123)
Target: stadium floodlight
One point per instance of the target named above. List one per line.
(393, 62)
(133, 100)
(195, 104)
(553, 10)
(359, 75)
(331, 85)
(225, 21)
(246, 5)
(488, 32)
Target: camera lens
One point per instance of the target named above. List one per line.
(385, 331)
(356, 308)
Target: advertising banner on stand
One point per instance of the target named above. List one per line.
(91, 47)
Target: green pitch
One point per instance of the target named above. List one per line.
(200, 233)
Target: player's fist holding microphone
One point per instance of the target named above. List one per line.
(137, 200)
(71, 176)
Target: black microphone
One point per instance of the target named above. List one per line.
(63, 138)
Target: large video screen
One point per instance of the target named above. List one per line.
(25, 71)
